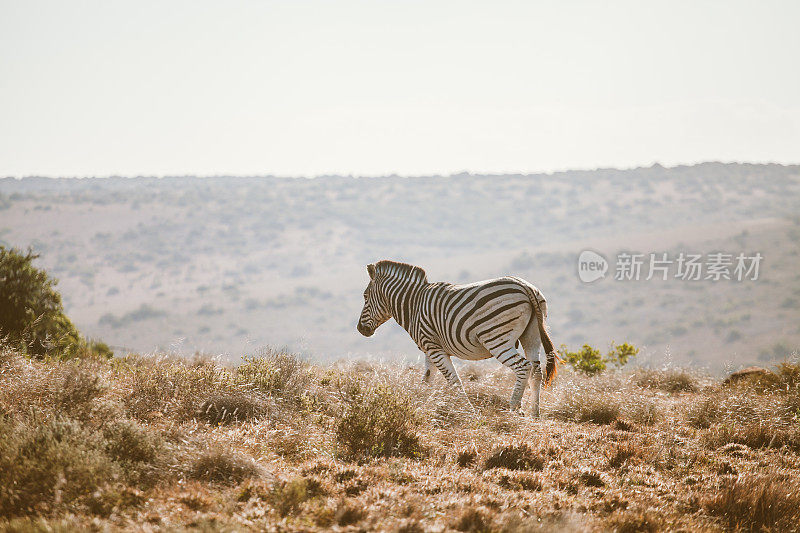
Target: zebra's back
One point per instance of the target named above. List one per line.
(469, 320)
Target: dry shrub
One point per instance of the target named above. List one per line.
(223, 466)
(377, 420)
(114, 498)
(290, 443)
(756, 382)
(79, 387)
(487, 401)
(762, 434)
(348, 515)
(139, 450)
(786, 378)
(736, 408)
(635, 521)
(703, 414)
(757, 503)
(448, 409)
(42, 525)
(520, 457)
(254, 489)
(591, 478)
(791, 405)
(473, 520)
(68, 388)
(345, 475)
(229, 408)
(466, 458)
(48, 463)
(276, 373)
(411, 526)
(623, 425)
(171, 386)
(789, 374)
(588, 405)
(669, 380)
(644, 412)
(287, 497)
(619, 454)
(730, 406)
(520, 481)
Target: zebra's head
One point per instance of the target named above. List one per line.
(376, 309)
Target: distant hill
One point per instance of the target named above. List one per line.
(226, 264)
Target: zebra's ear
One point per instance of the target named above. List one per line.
(371, 270)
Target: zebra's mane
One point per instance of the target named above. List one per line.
(403, 270)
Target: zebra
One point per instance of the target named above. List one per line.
(485, 319)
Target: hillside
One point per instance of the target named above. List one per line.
(227, 265)
(277, 444)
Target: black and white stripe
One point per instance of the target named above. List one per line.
(485, 319)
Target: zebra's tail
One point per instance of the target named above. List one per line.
(550, 366)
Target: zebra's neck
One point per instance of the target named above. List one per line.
(403, 302)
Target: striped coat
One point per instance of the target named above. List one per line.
(486, 319)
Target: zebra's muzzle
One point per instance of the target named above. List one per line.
(364, 330)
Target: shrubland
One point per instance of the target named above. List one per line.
(164, 443)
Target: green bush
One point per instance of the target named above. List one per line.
(31, 313)
(619, 355)
(587, 360)
(590, 361)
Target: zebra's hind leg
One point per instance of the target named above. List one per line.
(531, 343)
(536, 385)
(510, 357)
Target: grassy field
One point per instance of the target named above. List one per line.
(148, 443)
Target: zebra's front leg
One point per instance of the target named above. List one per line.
(510, 357)
(442, 361)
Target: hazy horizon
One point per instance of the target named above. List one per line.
(420, 175)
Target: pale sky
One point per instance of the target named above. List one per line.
(303, 88)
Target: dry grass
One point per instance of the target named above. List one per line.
(757, 503)
(756, 435)
(377, 420)
(669, 380)
(520, 457)
(232, 408)
(279, 444)
(223, 466)
(590, 404)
